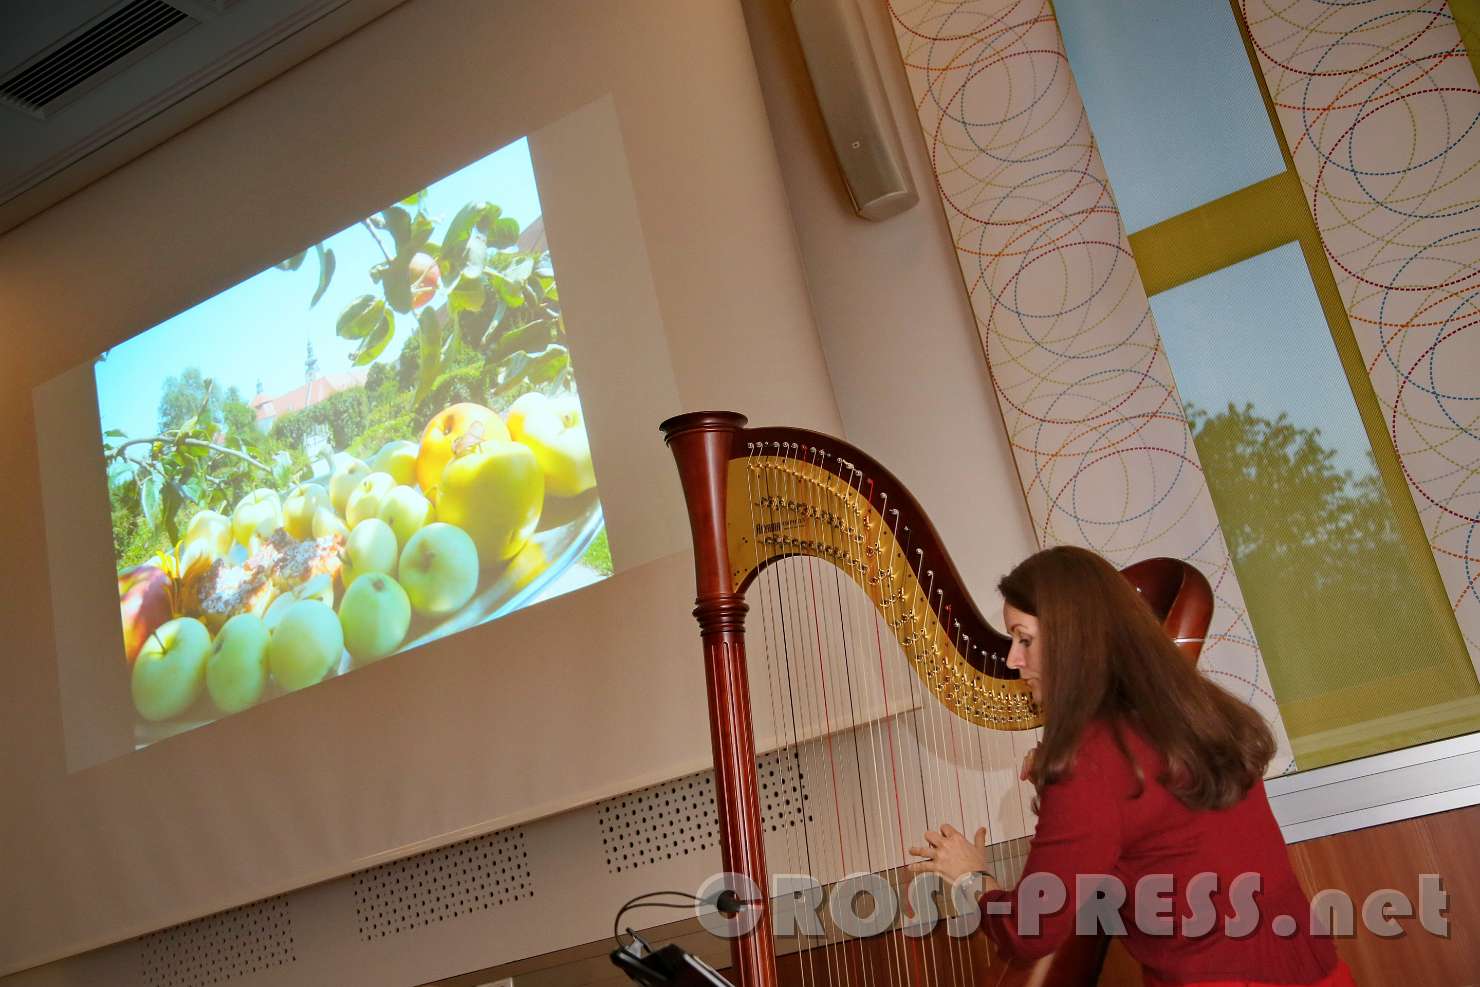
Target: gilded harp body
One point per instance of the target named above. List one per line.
(759, 496)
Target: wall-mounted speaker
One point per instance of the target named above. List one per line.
(851, 94)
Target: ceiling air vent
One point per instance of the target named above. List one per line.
(80, 62)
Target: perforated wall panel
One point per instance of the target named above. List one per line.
(678, 818)
(220, 947)
(475, 875)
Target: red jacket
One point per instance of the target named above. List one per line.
(1091, 823)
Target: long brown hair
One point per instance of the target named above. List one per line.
(1106, 657)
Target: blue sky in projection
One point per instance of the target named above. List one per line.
(1254, 332)
(1172, 102)
(260, 328)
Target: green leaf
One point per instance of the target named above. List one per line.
(460, 227)
(510, 292)
(453, 255)
(523, 371)
(171, 500)
(415, 198)
(374, 341)
(149, 498)
(421, 233)
(467, 305)
(429, 338)
(474, 253)
(398, 222)
(396, 280)
(326, 273)
(360, 317)
(521, 269)
(534, 336)
(410, 234)
(501, 315)
(292, 263)
(466, 296)
(504, 233)
(114, 433)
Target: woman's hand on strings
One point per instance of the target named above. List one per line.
(950, 854)
(1026, 771)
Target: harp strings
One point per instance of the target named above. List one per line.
(817, 708)
(783, 720)
(831, 696)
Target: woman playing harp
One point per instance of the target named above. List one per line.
(1146, 769)
(886, 705)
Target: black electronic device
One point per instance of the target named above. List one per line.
(671, 966)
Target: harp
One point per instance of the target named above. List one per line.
(762, 501)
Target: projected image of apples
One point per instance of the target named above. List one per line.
(377, 442)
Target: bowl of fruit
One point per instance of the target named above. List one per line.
(481, 515)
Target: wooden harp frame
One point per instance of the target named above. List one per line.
(834, 495)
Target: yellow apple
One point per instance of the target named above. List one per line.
(260, 513)
(438, 569)
(327, 524)
(298, 510)
(348, 473)
(568, 407)
(319, 587)
(554, 433)
(372, 547)
(236, 670)
(495, 494)
(454, 429)
(202, 552)
(407, 511)
(375, 615)
(212, 529)
(305, 645)
(514, 418)
(170, 672)
(397, 458)
(364, 502)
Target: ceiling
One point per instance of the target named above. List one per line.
(87, 85)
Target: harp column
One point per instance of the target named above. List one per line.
(701, 443)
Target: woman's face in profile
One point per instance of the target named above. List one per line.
(1026, 653)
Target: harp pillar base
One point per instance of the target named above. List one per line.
(722, 629)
